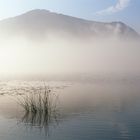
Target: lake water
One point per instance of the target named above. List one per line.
(88, 110)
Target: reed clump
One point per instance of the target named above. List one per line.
(42, 101)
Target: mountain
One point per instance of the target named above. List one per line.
(39, 24)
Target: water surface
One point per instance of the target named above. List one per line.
(100, 110)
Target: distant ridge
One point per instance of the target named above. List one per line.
(41, 23)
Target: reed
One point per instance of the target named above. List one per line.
(40, 101)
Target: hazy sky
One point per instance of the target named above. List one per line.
(100, 10)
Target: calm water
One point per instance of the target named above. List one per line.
(97, 110)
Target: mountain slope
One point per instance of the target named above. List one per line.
(38, 24)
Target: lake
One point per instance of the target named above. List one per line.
(98, 109)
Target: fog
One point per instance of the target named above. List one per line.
(68, 55)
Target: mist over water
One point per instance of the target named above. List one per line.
(66, 78)
(68, 55)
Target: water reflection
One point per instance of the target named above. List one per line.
(42, 121)
(101, 111)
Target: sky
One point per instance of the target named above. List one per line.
(126, 11)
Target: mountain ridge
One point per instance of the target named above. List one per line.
(39, 23)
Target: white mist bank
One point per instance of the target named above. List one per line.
(68, 56)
